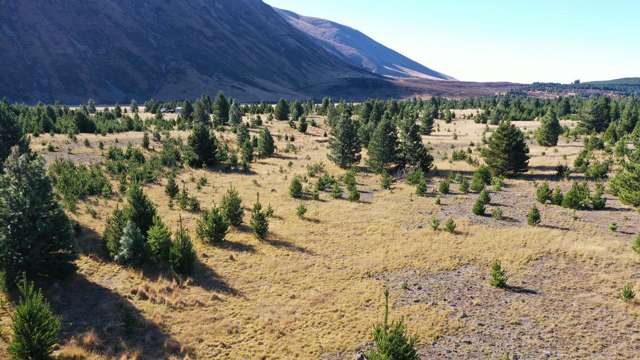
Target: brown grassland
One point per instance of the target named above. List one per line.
(314, 288)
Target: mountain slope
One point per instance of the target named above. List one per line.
(117, 50)
(359, 49)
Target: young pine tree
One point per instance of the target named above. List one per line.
(201, 147)
(383, 145)
(259, 220)
(549, 130)
(221, 109)
(413, 152)
(232, 207)
(344, 145)
(35, 234)
(159, 241)
(295, 188)
(213, 226)
(266, 146)
(35, 327)
(391, 341)
(132, 249)
(507, 154)
(140, 209)
(281, 111)
(171, 189)
(182, 256)
(533, 218)
(499, 277)
(113, 231)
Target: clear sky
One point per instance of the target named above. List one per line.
(498, 40)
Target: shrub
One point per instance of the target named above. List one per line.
(598, 202)
(484, 197)
(443, 187)
(497, 183)
(497, 214)
(498, 275)
(636, 244)
(171, 189)
(75, 182)
(354, 194)
(464, 186)
(563, 171)
(301, 210)
(450, 226)
(385, 180)
(577, 197)
(132, 248)
(627, 293)
(391, 341)
(477, 184)
(232, 207)
(113, 232)
(336, 192)
(557, 197)
(212, 226)
(259, 221)
(543, 193)
(415, 177)
(159, 241)
(435, 223)
(613, 226)
(295, 188)
(533, 217)
(421, 188)
(182, 256)
(35, 327)
(478, 207)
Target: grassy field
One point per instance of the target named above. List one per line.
(314, 288)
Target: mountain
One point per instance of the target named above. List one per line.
(360, 50)
(118, 50)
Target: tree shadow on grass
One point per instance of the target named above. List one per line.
(520, 290)
(276, 242)
(235, 246)
(116, 326)
(206, 278)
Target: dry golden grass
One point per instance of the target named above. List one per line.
(311, 289)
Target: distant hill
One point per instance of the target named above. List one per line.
(360, 50)
(118, 50)
(630, 81)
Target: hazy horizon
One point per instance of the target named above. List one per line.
(525, 42)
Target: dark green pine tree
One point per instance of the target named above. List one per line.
(35, 327)
(266, 146)
(242, 134)
(182, 256)
(10, 132)
(202, 147)
(221, 109)
(427, 124)
(507, 153)
(282, 110)
(412, 150)
(35, 234)
(383, 145)
(595, 114)
(549, 130)
(344, 145)
(140, 209)
(187, 111)
(201, 113)
(235, 114)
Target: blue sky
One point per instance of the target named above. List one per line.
(498, 40)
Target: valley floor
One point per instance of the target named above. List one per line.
(314, 288)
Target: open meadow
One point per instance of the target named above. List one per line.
(313, 288)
